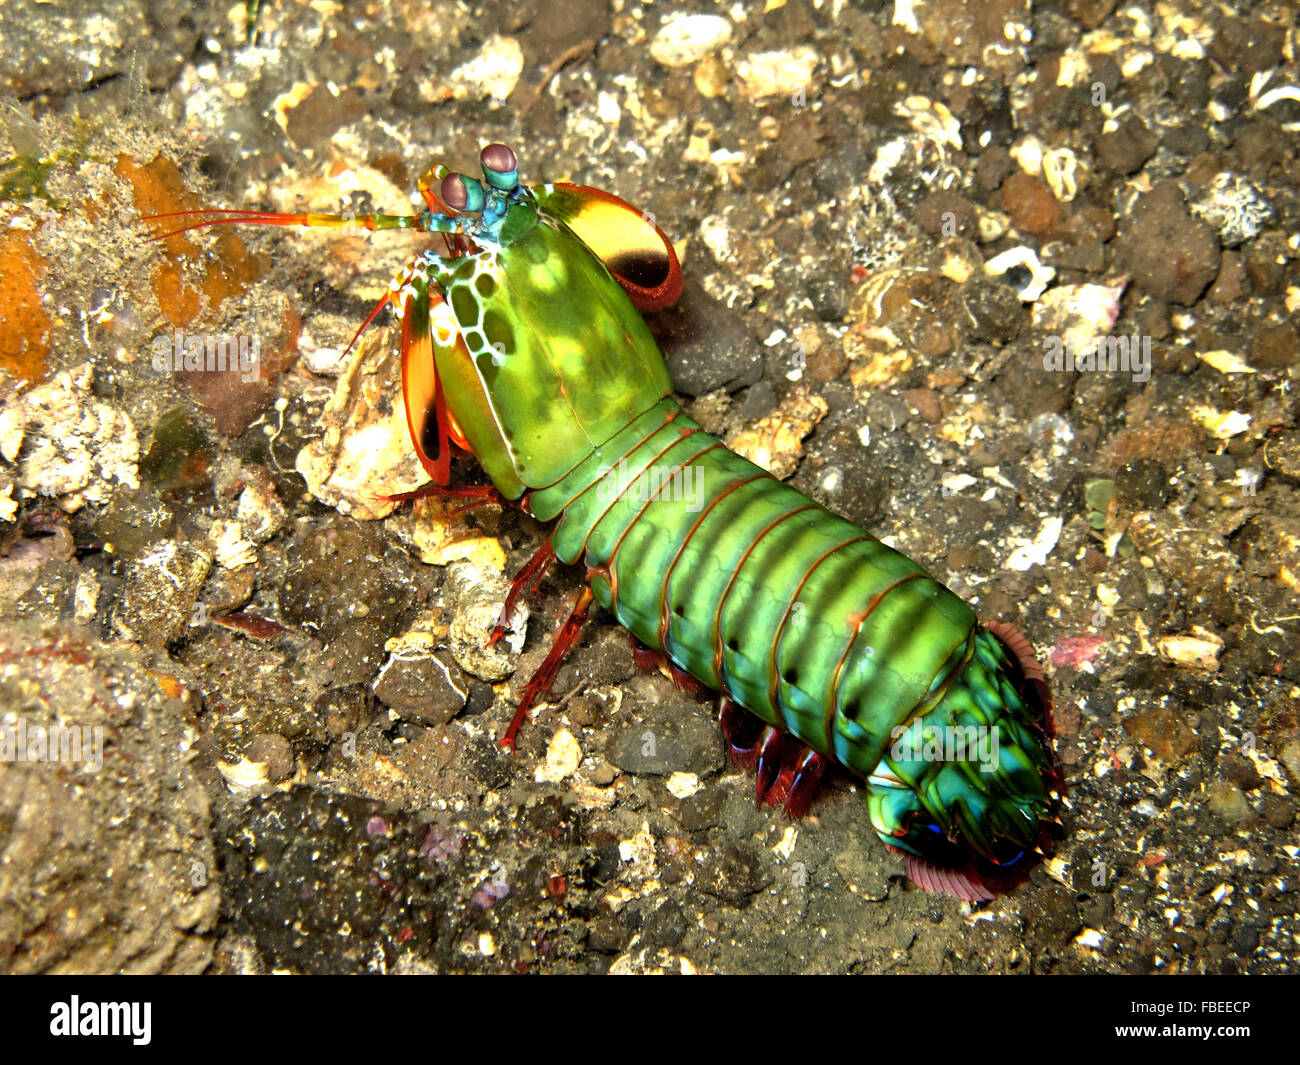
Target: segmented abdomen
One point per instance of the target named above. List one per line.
(800, 616)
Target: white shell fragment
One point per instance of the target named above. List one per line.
(492, 74)
(1040, 276)
(1035, 554)
(778, 73)
(683, 785)
(230, 549)
(1064, 173)
(1079, 314)
(931, 119)
(563, 756)
(1199, 649)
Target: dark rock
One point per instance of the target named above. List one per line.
(428, 689)
(946, 214)
(1275, 347)
(668, 735)
(993, 311)
(707, 345)
(732, 873)
(109, 865)
(275, 752)
(1171, 253)
(1052, 915)
(1126, 149)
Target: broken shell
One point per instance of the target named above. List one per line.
(229, 547)
(1023, 260)
(1079, 313)
(931, 119)
(1064, 173)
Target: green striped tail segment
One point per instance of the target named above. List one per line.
(798, 615)
(822, 631)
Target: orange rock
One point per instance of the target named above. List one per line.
(1032, 207)
(160, 189)
(24, 325)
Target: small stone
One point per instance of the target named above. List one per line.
(711, 77)
(1226, 802)
(1276, 347)
(1125, 150)
(1277, 812)
(492, 74)
(563, 756)
(946, 214)
(1290, 757)
(926, 402)
(1199, 649)
(1164, 731)
(1230, 283)
(1032, 207)
(275, 752)
(424, 688)
(160, 591)
(781, 73)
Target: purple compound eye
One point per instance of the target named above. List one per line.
(454, 193)
(499, 158)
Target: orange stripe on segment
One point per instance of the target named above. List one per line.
(718, 646)
(613, 587)
(834, 703)
(774, 673)
(664, 614)
(609, 562)
(667, 421)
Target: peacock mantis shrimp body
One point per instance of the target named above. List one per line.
(522, 344)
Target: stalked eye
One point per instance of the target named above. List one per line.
(499, 158)
(500, 167)
(461, 193)
(454, 193)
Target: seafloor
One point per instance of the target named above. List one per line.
(891, 218)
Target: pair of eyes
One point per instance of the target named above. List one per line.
(460, 193)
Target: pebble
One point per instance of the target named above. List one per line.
(686, 39)
(782, 73)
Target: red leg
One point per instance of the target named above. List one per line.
(741, 730)
(646, 658)
(525, 583)
(786, 771)
(545, 676)
(480, 495)
(808, 773)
